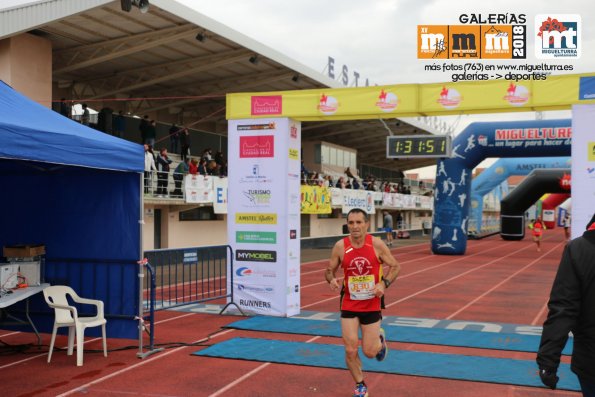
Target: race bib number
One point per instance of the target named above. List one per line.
(361, 287)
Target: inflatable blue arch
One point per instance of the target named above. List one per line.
(452, 195)
(492, 177)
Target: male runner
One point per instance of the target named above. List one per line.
(361, 256)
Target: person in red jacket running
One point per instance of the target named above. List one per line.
(362, 257)
(538, 227)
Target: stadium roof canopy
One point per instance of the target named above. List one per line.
(176, 64)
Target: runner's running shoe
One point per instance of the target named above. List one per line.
(361, 390)
(381, 355)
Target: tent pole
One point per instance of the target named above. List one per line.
(141, 276)
(141, 270)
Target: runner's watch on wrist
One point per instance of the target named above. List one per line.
(386, 282)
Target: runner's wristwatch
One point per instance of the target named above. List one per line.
(386, 282)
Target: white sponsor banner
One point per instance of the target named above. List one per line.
(427, 203)
(198, 188)
(220, 196)
(336, 196)
(583, 167)
(264, 170)
(362, 199)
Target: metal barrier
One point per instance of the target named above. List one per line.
(190, 275)
(177, 277)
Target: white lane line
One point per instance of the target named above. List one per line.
(82, 389)
(502, 282)
(248, 375)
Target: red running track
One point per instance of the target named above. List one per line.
(496, 281)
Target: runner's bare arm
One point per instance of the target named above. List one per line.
(333, 265)
(388, 259)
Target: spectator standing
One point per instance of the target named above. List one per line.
(163, 162)
(151, 133)
(219, 159)
(65, 108)
(400, 221)
(149, 167)
(571, 303)
(181, 170)
(142, 127)
(86, 117)
(174, 138)
(387, 224)
(119, 124)
(184, 143)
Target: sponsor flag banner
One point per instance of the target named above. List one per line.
(199, 188)
(263, 224)
(583, 167)
(315, 200)
(220, 195)
(507, 93)
(362, 199)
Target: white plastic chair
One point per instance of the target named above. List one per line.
(67, 316)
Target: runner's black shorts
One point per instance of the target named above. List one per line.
(365, 318)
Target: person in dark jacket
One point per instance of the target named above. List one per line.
(571, 304)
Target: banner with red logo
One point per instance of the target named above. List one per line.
(263, 211)
(406, 100)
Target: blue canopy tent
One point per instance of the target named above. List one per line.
(77, 191)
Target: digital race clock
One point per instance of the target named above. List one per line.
(418, 146)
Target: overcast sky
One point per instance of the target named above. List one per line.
(378, 38)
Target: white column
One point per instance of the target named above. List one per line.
(264, 214)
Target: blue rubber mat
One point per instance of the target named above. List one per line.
(429, 336)
(433, 365)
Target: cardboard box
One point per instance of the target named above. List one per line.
(23, 251)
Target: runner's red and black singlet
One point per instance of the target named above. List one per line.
(362, 270)
(537, 229)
